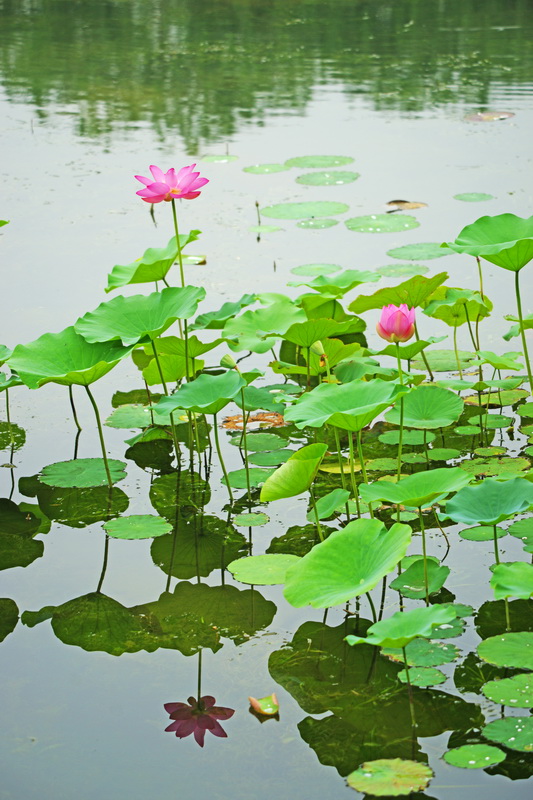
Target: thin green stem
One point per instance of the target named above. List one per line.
(73, 407)
(341, 465)
(496, 553)
(355, 490)
(409, 689)
(247, 469)
(100, 435)
(220, 457)
(457, 359)
(317, 521)
(363, 468)
(424, 358)
(372, 607)
(423, 532)
(178, 245)
(165, 389)
(8, 415)
(480, 273)
(400, 441)
(507, 617)
(522, 331)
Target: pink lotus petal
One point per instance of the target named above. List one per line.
(171, 707)
(157, 172)
(207, 701)
(199, 735)
(218, 730)
(146, 181)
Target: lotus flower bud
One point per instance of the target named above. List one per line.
(397, 323)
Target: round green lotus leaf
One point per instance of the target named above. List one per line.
(265, 570)
(443, 453)
(516, 691)
(218, 159)
(490, 502)
(317, 224)
(413, 458)
(418, 252)
(418, 490)
(390, 777)
(525, 410)
(264, 228)
(382, 223)
(427, 407)
(422, 652)
(494, 421)
(401, 628)
(409, 437)
(473, 197)
(495, 399)
(505, 240)
(401, 270)
(260, 441)
(251, 520)
(482, 533)
(137, 526)
(265, 169)
(487, 452)
(467, 430)
(523, 530)
(136, 416)
(512, 579)
(412, 582)
(381, 464)
(348, 563)
(407, 516)
(82, 473)
(474, 756)
(508, 650)
(491, 467)
(313, 270)
(257, 476)
(335, 178)
(306, 210)
(318, 162)
(206, 394)
(513, 732)
(445, 360)
(271, 458)
(422, 676)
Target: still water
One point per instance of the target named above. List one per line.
(91, 93)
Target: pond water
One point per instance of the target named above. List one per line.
(91, 93)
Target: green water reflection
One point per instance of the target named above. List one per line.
(204, 68)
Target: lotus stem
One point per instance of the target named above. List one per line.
(372, 607)
(426, 448)
(165, 389)
(522, 331)
(480, 273)
(400, 442)
(73, 407)
(409, 689)
(424, 357)
(182, 274)
(247, 469)
(423, 532)
(496, 553)
(8, 415)
(341, 466)
(308, 375)
(317, 521)
(507, 617)
(437, 520)
(457, 359)
(220, 457)
(355, 490)
(363, 468)
(100, 435)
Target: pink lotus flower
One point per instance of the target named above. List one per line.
(197, 717)
(397, 323)
(170, 185)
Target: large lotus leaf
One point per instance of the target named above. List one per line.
(77, 508)
(152, 266)
(197, 615)
(304, 334)
(391, 777)
(18, 551)
(350, 406)
(248, 331)
(413, 292)
(179, 490)
(173, 368)
(505, 240)
(338, 285)
(215, 320)
(9, 616)
(403, 627)
(138, 316)
(504, 361)
(65, 358)
(511, 649)
(200, 545)
(412, 581)
(82, 473)
(428, 407)
(516, 691)
(458, 306)
(513, 732)
(490, 502)
(207, 394)
(296, 475)
(513, 579)
(347, 564)
(418, 490)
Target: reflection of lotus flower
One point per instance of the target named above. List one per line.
(397, 323)
(170, 185)
(197, 718)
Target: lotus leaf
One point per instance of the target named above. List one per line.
(294, 476)
(505, 240)
(428, 407)
(402, 627)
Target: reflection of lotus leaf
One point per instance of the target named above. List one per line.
(9, 615)
(11, 435)
(178, 489)
(80, 507)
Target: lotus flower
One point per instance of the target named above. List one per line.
(197, 717)
(170, 185)
(397, 323)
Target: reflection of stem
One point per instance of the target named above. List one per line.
(363, 468)
(496, 554)
(443, 533)
(423, 531)
(522, 331)
(73, 407)
(317, 521)
(382, 601)
(199, 674)
(409, 689)
(220, 458)
(355, 490)
(457, 352)
(100, 435)
(104, 565)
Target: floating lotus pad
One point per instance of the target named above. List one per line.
(218, 159)
(423, 653)
(390, 777)
(264, 228)
(317, 224)
(238, 478)
(382, 223)
(422, 676)
(445, 360)
(266, 169)
(402, 270)
(482, 533)
(271, 458)
(428, 407)
(250, 520)
(82, 473)
(259, 442)
(508, 650)
(513, 732)
(418, 252)
(336, 178)
(473, 197)
(265, 570)
(516, 692)
(491, 467)
(320, 162)
(474, 756)
(306, 210)
(523, 530)
(137, 526)
(312, 270)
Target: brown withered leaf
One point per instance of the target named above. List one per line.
(404, 205)
(263, 419)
